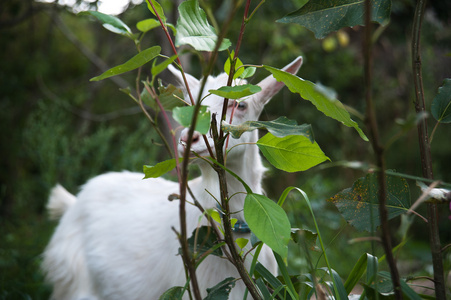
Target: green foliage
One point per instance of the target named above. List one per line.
(160, 168)
(228, 65)
(339, 289)
(111, 23)
(292, 153)
(288, 283)
(307, 237)
(175, 292)
(169, 97)
(20, 250)
(184, 116)
(280, 127)
(248, 72)
(133, 63)
(156, 9)
(193, 28)
(273, 281)
(204, 241)
(49, 144)
(383, 288)
(359, 205)
(366, 263)
(148, 24)
(326, 16)
(221, 290)
(331, 107)
(157, 69)
(236, 92)
(268, 222)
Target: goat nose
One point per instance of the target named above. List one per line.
(195, 139)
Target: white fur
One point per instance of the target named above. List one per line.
(59, 201)
(116, 240)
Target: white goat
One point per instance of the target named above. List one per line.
(114, 240)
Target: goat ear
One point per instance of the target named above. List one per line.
(192, 81)
(270, 86)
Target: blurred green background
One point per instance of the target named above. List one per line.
(57, 126)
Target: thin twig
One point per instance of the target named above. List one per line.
(379, 152)
(425, 151)
(218, 137)
(174, 152)
(183, 177)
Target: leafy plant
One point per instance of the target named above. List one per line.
(373, 200)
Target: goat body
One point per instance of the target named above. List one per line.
(115, 239)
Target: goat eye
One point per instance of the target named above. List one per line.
(242, 105)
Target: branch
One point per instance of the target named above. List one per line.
(425, 151)
(378, 151)
(228, 236)
(218, 137)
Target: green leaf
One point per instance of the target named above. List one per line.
(184, 115)
(268, 276)
(441, 105)
(214, 214)
(222, 290)
(325, 16)
(339, 287)
(135, 62)
(175, 292)
(169, 98)
(161, 67)
(357, 272)
(158, 9)
(372, 268)
(285, 275)
(331, 107)
(268, 222)
(292, 153)
(405, 288)
(305, 237)
(241, 242)
(160, 168)
(263, 288)
(111, 23)
(248, 72)
(193, 28)
(202, 241)
(372, 293)
(148, 24)
(236, 92)
(359, 204)
(238, 64)
(280, 127)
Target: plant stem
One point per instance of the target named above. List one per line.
(218, 137)
(425, 151)
(221, 173)
(228, 235)
(183, 177)
(233, 62)
(166, 32)
(378, 151)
